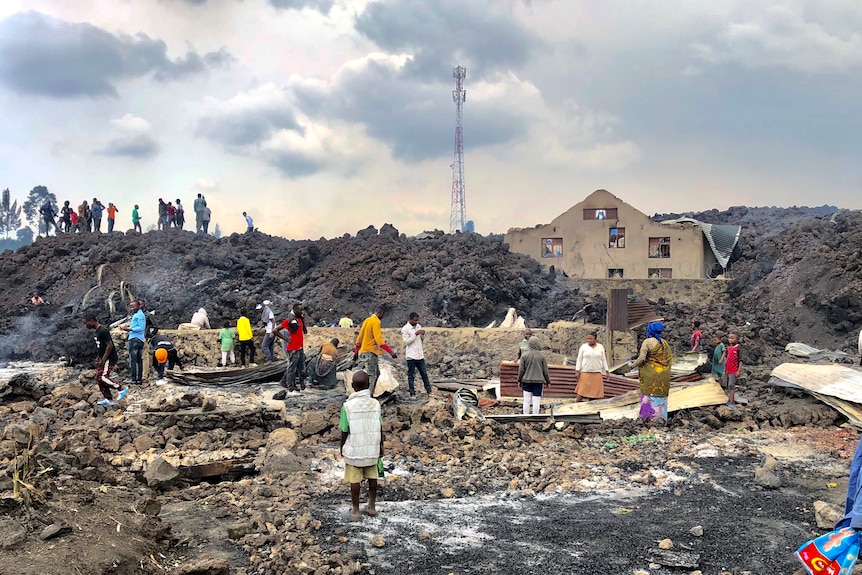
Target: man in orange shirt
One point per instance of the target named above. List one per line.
(112, 214)
(369, 344)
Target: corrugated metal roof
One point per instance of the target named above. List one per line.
(640, 313)
(722, 239)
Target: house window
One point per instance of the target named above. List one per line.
(659, 247)
(600, 213)
(660, 273)
(617, 238)
(615, 273)
(552, 247)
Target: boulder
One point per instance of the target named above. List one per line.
(160, 474)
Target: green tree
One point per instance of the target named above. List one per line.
(217, 231)
(35, 199)
(25, 235)
(10, 213)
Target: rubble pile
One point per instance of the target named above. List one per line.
(451, 280)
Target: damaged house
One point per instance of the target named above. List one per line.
(604, 237)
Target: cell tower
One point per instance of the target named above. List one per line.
(458, 216)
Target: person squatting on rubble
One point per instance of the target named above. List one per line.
(524, 346)
(246, 339)
(533, 376)
(361, 428)
(136, 329)
(201, 319)
(653, 363)
(105, 361)
(732, 363)
(590, 369)
(322, 363)
(369, 344)
(294, 376)
(267, 319)
(164, 354)
(412, 334)
(226, 337)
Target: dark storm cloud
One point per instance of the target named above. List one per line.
(484, 36)
(46, 56)
(138, 146)
(292, 164)
(247, 124)
(322, 6)
(415, 118)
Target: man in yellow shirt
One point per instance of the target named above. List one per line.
(370, 345)
(246, 339)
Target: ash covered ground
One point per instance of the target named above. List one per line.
(461, 496)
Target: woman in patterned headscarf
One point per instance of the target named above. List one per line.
(653, 365)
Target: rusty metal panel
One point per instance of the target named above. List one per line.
(563, 382)
(618, 310)
(640, 313)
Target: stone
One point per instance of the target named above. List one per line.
(447, 493)
(203, 567)
(278, 457)
(826, 514)
(143, 443)
(54, 530)
(74, 391)
(696, 531)
(314, 423)
(425, 535)
(160, 474)
(280, 395)
(209, 404)
(766, 475)
(148, 505)
(665, 544)
(12, 535)
(378, 541)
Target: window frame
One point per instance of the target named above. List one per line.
(614, 238)
(663, 245)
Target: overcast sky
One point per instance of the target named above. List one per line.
(320, 117)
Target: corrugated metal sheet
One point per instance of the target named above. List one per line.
(722, 239)
(640, 313)
(563, 382)
(618, 310)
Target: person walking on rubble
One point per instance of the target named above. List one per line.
(249, 223)
(136, 220)
(533, 376)
(105, 361)
(136, 329)
(267, 318)
(412, 333)
(524, 346)
(246, 339)
(370, 345)
(653, 363)
(294, 376)
(590, 369)
(361, 428)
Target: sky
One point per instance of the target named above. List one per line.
(321, 117)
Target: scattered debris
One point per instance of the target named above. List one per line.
(827, 515)
(669, 558)
(766, 474)
(54, 530)
(806, 351)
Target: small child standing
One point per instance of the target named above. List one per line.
(718, 357)
(226, 337)
(361, 442)
(732, 363)
(696, 339)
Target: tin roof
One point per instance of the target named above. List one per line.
(722, 239)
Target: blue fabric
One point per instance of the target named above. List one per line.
(654, 329)
(853, 503)
(138, 325)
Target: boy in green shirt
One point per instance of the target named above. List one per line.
(226, 337)
(136, 220)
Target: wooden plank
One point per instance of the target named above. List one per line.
(700, 395)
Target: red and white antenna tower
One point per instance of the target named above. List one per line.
(458, 217)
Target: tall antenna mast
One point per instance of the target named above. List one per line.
(458, 217)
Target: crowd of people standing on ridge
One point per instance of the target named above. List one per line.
(87, 217)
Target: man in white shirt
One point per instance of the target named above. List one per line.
(268, 320)
(248, 222)
(412, 334)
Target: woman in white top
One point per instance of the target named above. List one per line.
(591, 366)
